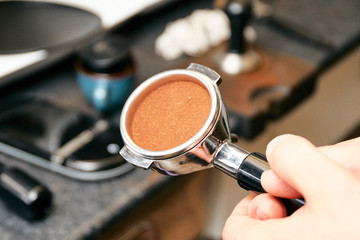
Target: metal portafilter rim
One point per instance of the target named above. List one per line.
(157, 80)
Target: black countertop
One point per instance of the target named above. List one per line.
(84, 209)
(333, 25)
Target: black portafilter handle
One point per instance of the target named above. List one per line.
(23, 194)
(247, 169)
(239, 13)
(249, 178)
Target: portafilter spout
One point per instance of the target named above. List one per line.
(210, 147)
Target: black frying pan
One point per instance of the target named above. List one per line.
(27, 26)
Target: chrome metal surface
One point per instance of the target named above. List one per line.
(229, 158)
(158, 79)
(210, 147)
(95, 165)
(134, 159)
(59, 156)
(214, 76)
(17, 188)
(197, 153)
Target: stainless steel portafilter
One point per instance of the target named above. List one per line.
(210, 147)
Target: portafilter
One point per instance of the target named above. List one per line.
(210, 147)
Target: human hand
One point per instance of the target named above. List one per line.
(327, 177)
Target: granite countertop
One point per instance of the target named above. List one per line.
(82, 209)
(333, 24)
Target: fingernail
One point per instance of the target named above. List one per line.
(274, 143)
(261, 215)
(270, 175)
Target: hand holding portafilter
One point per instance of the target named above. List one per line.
(210, 144)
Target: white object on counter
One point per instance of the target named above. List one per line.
(194, 34)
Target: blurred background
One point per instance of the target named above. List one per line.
(67, 67)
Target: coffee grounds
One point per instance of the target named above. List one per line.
(170, 115)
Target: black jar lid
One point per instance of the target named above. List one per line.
(108, 54)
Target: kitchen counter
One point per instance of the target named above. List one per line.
(89, 210)
(333, 25)
(295, 47)
(79, 209)
(86, 210)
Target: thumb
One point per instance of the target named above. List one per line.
(344, 153)
(304, 167)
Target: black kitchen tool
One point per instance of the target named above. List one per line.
(27, 26)
(55, 29)
(62, 140)
(23, 194)
(239, 58)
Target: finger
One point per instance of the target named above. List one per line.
(346, 154)
(242, 207)
(245, 227)
(276, 186)
(238, 219)
(266, 206)
(354, 141)
(302, 165)
(240, 225)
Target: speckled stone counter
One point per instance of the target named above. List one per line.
(82, 209)
(332, 25)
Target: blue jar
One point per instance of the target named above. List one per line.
(106, 72)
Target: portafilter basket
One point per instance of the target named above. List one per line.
(210, 147)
